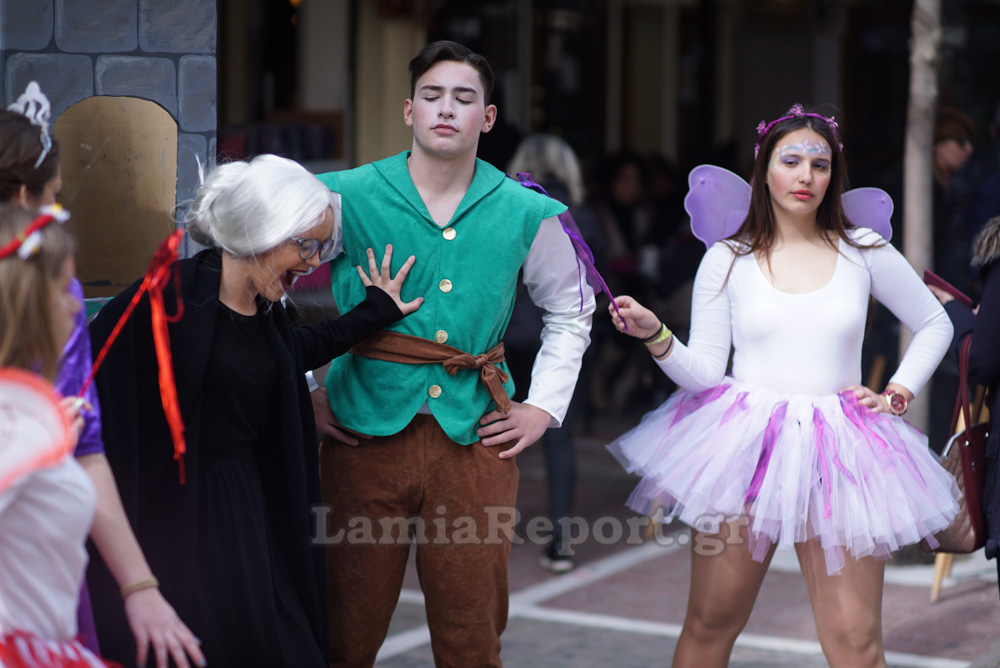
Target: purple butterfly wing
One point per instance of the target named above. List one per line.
(717, 201)
(869, 207)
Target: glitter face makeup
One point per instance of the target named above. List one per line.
(806, 148)
(799, 172)
(791, 154)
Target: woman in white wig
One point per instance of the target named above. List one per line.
(231, 542)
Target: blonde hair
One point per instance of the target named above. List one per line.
(547, 157)
(27, 337)
(248, 208)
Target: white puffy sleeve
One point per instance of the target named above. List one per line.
(554, 285)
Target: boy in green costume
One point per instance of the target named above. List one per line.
(428, 399)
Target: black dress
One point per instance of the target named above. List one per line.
(232, 544)
(236, 558)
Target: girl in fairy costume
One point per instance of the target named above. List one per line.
(790, 450)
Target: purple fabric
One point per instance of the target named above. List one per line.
(584, 256)
(821, 430)
(74, 368)
(771, 433)
(718, 202)
(853, 411)
(820, 433)
(739, 404)
(693, 402)
(86, 629)
(869, 207)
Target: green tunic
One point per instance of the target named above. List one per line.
(467, 273)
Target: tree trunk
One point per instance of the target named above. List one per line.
(918, 208)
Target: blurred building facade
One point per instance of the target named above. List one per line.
(687, 79)
(323, 80)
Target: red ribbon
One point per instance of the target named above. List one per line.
(157, 275)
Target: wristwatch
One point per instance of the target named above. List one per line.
(896, 402)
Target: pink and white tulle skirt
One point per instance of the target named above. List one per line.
(26, 650)
(797, 467)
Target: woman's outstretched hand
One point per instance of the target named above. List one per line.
(642, 323)
(391, 285)
(154, 623)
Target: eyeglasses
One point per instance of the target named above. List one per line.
(309, 247)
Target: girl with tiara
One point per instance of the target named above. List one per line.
(46, 500)
(30, 177)
(229, 525)
(790, 450)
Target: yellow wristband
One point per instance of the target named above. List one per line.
(661, 337)
(145, 583)
(662, 356)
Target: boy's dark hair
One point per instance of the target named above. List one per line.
(445, 50)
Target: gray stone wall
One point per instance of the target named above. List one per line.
(151, 49)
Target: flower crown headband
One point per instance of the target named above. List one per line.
(29, 241)
(33, 105)
(796, 111)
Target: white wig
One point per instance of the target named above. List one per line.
(248, 208)
(548, 157)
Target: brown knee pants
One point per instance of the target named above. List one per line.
(456, 503)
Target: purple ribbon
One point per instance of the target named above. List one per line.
(584, 256)
(852, 409)
(739, 404)
(771, 433)
(693, 402)
(820, 430)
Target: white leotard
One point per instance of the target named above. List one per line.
(805, 343)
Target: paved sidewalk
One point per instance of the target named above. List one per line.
(623, 605)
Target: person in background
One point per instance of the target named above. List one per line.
(554, 166)
(954, 190)
(983, 325)
(986, 204)
(628, 223)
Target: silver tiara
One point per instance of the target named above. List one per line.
(36, 108)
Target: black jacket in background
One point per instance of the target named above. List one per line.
(984, 364)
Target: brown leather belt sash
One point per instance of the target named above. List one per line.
(407, 349)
